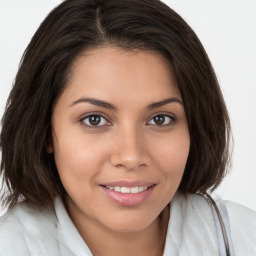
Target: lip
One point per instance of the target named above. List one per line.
(128, 199)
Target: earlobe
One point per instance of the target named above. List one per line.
(49, 146)
(49, 149)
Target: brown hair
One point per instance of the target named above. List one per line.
(76, 25)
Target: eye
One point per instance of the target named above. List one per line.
(94, 120)
(162, 120)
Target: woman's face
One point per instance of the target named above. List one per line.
(120, 138)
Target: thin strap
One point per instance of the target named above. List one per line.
(225, 246)
(224, 214)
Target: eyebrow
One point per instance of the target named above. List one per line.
(164, 102)
(108, 105)
(95, 102)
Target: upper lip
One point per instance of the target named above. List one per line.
(128, 183)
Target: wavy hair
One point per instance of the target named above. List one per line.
(74, 26)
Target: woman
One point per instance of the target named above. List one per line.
(113, 135)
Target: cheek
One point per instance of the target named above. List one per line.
(75, 167)
(172, 155)
(79, 158)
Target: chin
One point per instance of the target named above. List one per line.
(129, 222)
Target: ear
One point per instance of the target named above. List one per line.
(49, 149)
(49, 145)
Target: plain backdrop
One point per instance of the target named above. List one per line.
(227, 29)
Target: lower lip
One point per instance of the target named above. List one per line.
(128, 199)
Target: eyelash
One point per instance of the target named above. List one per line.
(89, 126)
(165, 115)
(82, 121)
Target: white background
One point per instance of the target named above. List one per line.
(227, 29)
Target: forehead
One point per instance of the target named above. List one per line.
(113, 74)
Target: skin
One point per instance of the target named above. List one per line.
(127, 144)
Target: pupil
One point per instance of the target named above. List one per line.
(159, 119)
(94, 120)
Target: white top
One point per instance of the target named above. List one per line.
(25, 231)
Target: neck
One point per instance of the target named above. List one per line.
(104, 242)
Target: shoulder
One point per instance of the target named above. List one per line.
(243, 228)
(22, 226)
(11, 239)
(241, 216)
(241, 221)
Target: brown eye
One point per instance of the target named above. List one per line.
(161, 120)
(94, 120)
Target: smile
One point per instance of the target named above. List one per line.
(127, 190)
(128, 193)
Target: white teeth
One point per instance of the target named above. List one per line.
(117, 189)
(142, 189)
(135, 190)
(127, 190)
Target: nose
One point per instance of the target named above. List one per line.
(129, 150)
